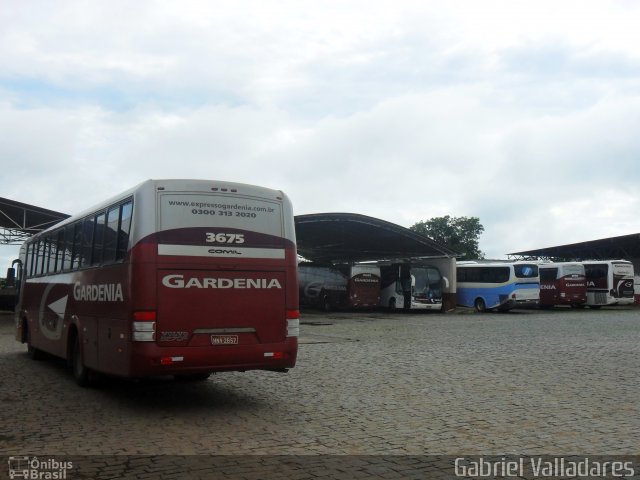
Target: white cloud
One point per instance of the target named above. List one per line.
(521, 113)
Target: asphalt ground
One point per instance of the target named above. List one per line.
(374, 395)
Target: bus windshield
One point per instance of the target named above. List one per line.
(426, 281)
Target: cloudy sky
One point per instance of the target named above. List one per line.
(524, 114)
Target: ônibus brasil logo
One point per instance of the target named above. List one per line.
(35, 468)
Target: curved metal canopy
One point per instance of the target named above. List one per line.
(625, 246)
(350, 237)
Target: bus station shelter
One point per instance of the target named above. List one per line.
(18, 221)
(625, 247)
(351, 237)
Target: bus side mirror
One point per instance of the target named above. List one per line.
(11, 277)
(445, 282)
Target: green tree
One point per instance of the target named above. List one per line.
(460, 234)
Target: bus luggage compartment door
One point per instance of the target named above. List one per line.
(205, 307)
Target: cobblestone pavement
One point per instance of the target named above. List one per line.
(367, 384)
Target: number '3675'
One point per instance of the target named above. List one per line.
(225, 237)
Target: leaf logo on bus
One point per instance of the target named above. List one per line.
(178, 281)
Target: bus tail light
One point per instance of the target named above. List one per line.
(293, 323)
(144, 326)
(276, 355)
(170, 360)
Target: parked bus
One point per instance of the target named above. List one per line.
(562, 283)
(173, 277)
(409, 286)
(339, 286)
(502, 286)
(363, 289)
(322, 286)
(609, 282)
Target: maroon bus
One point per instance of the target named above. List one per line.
(173, 277)
(562, 283)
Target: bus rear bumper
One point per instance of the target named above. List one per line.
(149, 359)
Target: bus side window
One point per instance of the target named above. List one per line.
(111, 235)
(67, 253)
(123, 231)
(77, 245)
(37, 257)
(98, 239)
(59, 250)
(87, 241)
(548, 274)
(28, 260)
(53, 251)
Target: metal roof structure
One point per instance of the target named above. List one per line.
(18, 221)
(351, 237)
(321, 237)
(625, 246)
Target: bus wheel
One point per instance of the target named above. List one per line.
(326, 303)
(33, 352)
(595, 307)
(480, 305)
(193, 377)
(80, 371)
(392, 304)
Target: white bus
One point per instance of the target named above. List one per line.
(502, 286)
(407, 286)
(609, 282)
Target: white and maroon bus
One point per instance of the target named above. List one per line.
(562, 283)
(364, 285)
(173, 277)
(609, 282)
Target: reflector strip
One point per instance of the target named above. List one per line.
(144, 331)
(293, 327)
(225, 330)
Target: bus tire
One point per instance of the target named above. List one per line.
(392, 304)
(480, 306)
(595, 307)
(326, 303)
(81, 373)
(33, 352)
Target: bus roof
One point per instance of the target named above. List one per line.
(183, 185)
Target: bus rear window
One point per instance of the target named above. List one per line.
(183, 210)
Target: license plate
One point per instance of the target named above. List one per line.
(224, 339)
